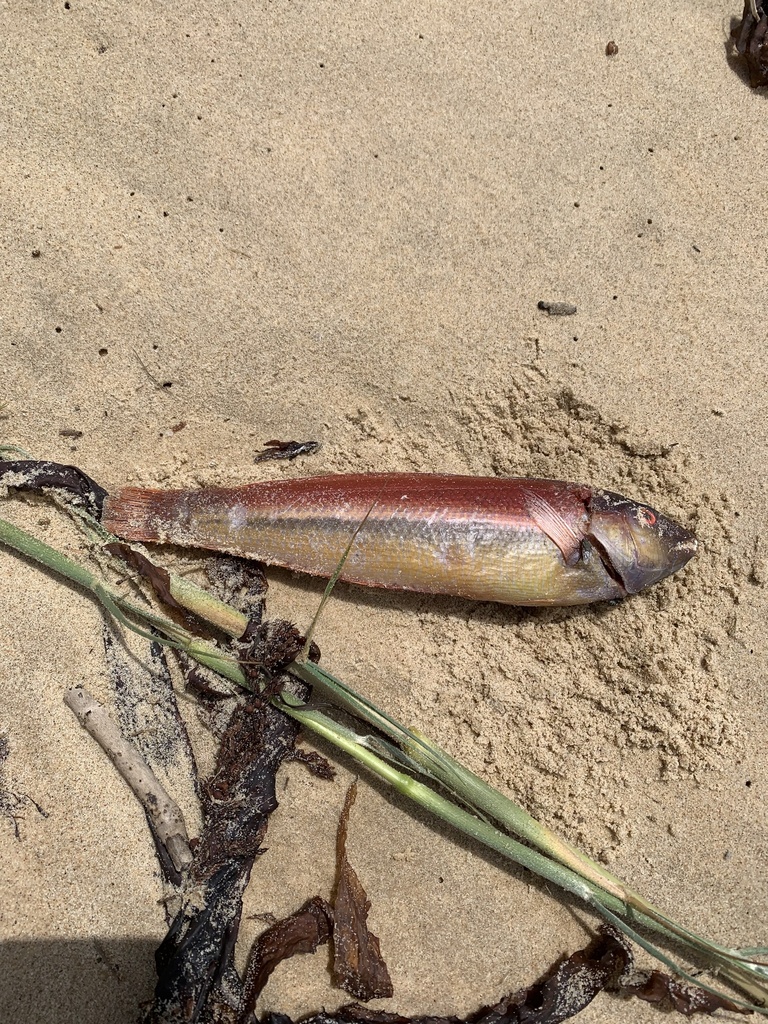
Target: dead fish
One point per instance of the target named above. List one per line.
(515, 541)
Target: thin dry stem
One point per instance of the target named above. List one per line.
(164, 812)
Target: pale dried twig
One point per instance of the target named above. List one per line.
(164, 812)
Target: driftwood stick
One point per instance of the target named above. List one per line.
(164, 812)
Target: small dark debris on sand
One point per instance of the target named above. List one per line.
(286, 450)
(12, 803)
(557, 308)
(750, 40)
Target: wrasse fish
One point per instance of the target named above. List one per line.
(515, 541)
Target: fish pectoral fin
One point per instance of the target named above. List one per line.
(555, 526)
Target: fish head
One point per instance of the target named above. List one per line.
(638, 545)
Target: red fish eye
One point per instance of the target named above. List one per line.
(646, 516)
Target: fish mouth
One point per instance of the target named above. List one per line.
(638, 571)
(682, 552)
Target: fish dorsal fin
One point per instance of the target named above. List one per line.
(554, 525)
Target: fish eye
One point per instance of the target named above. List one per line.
(646, 516)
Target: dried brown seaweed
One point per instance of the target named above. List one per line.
(570, 985)
(286, 450)
(157, 577)
(315, 763)
(37, 476)
(301, 932)
(750, 40)
(670, 993)
(358, 966)
(197, 980)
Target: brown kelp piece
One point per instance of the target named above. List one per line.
(157, 577)
(240, 792)
(358, 966)
(568, 987)
(750, 40)
(265, 649)
(301, 932)
(33, 475)
(197, 979)
(565, 990)
(286, 450)
(672, 994)
(315, 763)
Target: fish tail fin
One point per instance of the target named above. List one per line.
(145, 514)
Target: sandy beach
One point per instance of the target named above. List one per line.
(335, 222)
